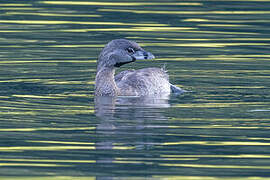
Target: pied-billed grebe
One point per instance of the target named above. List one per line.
(142, 82)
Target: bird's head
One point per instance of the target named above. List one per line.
(121, 51)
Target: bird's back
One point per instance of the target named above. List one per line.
(143, 82)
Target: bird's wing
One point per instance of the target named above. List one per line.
(143, 81)
(122, 74)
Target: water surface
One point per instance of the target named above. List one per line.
(51, 124)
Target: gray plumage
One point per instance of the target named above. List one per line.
(142, 82)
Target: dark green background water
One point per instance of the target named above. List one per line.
(219, 50)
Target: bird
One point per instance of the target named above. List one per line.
(150, 81)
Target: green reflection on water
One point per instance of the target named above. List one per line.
(49, 126)
(118, 3)
(185, 12)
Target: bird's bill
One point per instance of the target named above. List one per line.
(141, 55)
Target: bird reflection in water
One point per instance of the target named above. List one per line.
(126, 123)
(107, 107)
(138, 110)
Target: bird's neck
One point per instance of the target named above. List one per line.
(105, 83)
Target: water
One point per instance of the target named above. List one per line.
(51, 124)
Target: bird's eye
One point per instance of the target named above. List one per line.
(130, 50)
